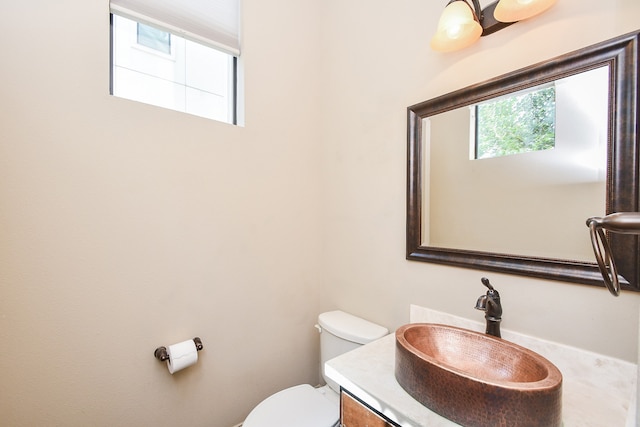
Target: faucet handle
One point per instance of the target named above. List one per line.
(485, 282)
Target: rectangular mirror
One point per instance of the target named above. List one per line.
(503, 175)
(514, 182)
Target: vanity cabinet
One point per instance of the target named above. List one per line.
(355, 414)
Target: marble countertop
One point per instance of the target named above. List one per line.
(597, 390)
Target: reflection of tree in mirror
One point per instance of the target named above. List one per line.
(516, 124)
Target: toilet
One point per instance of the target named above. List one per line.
(308, 406)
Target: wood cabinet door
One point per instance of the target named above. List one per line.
(355, 414)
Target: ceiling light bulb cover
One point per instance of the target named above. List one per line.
(517, 10)
(458, 28)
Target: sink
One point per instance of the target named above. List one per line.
(476, 379)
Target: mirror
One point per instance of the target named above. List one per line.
(526, 153)
(524, 212)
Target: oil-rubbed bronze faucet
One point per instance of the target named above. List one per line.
(490, 304)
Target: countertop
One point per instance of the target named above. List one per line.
(597, 390)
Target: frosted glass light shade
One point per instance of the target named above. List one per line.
(517, 10)
(457, 28)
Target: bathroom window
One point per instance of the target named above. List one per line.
(159, 68)
(516, 123)
(181, 56)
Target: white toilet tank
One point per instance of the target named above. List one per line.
(304, 405)
(341, 332)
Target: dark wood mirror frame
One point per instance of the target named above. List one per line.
(622, 182)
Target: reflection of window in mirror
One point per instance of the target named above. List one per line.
(516, 123)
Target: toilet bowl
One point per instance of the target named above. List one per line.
(307, 406)
(301, 405)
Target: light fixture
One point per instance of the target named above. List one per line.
(458, 27)
(517, 10)
(461, 25)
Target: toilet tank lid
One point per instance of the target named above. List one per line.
(350, 327)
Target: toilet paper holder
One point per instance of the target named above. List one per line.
(161, 352)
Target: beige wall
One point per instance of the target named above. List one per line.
(378, 61)
(125, 227)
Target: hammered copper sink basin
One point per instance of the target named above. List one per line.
(476, 379)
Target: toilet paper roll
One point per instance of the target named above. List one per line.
(181, 355)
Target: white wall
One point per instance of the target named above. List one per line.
(377, 62)
(124, 227)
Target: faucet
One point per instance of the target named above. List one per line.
(490, 304)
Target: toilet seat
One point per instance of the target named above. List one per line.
(297, 406)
